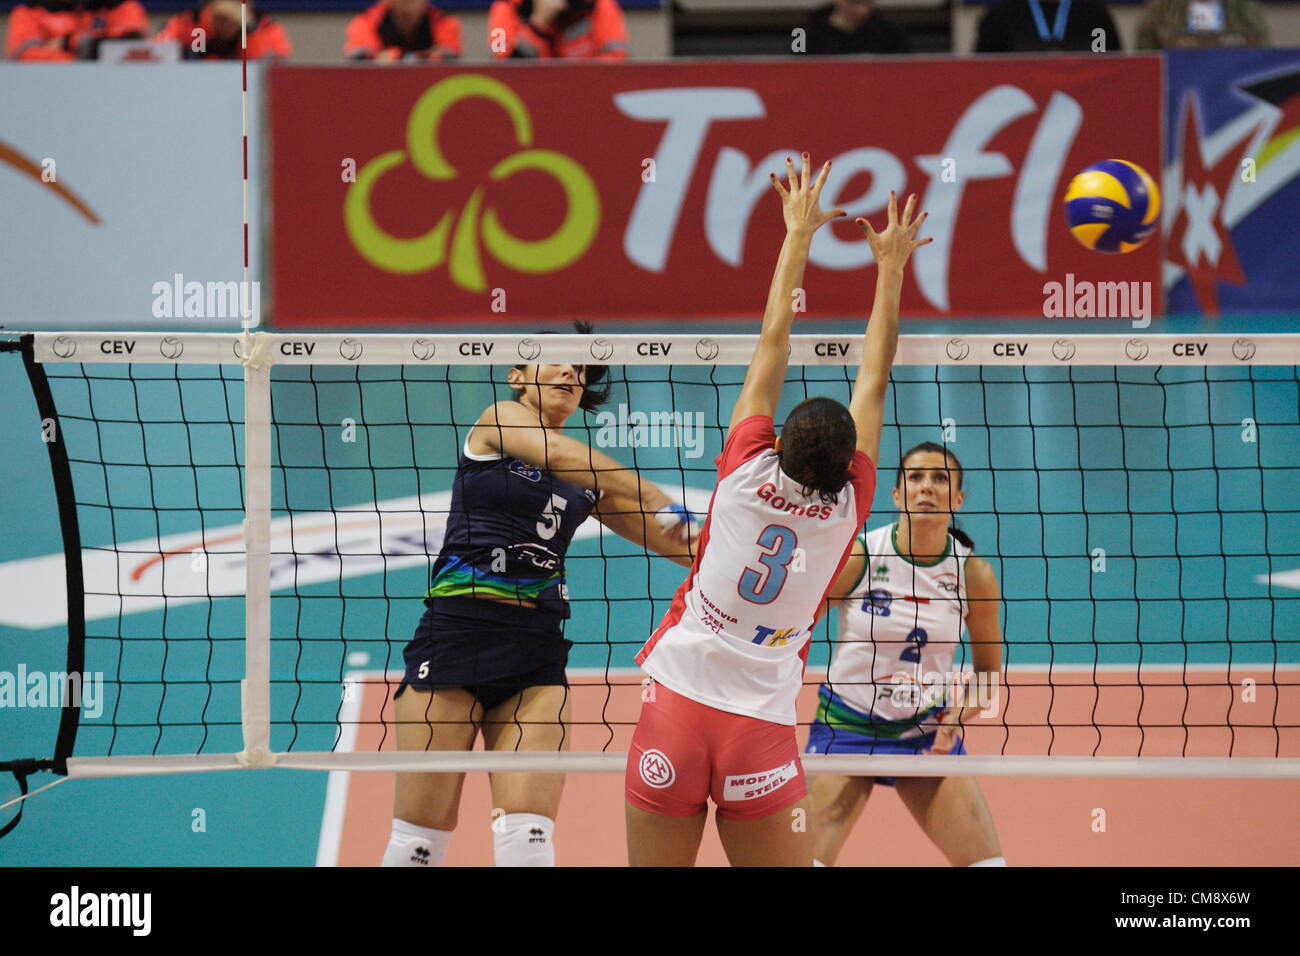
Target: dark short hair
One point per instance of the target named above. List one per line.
(592, 397)
(817, 445)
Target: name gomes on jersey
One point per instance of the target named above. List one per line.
(767, 493)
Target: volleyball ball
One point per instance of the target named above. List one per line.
(1113, 206)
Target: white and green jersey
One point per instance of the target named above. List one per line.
(898, 633)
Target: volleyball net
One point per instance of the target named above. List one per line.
(249, 525)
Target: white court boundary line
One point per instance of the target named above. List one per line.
(336, 787)
(336, 790)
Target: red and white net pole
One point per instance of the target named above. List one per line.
(256, 686)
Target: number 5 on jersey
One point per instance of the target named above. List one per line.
(550, 522)
(763, 587)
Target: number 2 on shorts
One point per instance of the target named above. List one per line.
(754, 586)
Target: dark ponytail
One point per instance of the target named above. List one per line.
(953, 530)
(592, 397)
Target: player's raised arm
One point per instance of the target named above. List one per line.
(627, 518)
(892, 248)
(514, 430)
(803, 216)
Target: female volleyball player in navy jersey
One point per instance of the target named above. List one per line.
(903, 597)
(727, 660)
(489, 653)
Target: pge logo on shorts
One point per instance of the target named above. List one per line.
(656, 769)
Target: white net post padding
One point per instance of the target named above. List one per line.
(255, 689)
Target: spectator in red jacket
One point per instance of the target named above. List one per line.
(59, 30)
(403, 30)
(592, 29)
(211, 32)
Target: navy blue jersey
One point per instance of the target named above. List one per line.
(508, 532)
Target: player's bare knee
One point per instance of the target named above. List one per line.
(426, 816)
(838, 806)
(833, 814)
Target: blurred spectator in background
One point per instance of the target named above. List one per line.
(592, 29)
(853, 26)
(56, 30)
(1026, 26)
(211, 32)
(403, 30)
(1193, 23)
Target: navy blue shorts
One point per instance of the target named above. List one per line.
(491, 649)
(824, 739)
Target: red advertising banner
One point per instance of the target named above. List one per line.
(413, 196)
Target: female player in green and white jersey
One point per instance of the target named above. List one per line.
(903, 597)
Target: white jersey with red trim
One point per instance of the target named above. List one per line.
(898, 632)
(737, 633)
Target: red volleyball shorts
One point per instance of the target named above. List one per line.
(684, 752)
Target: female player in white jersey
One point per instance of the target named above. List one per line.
(727, 660)
(903, 598)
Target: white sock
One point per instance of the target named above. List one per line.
(818, 863)
(524, 839)
(415, 846)
(992, 861)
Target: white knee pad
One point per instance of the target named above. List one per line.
(524, 839)
(410, 845)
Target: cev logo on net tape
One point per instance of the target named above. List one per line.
(475, 221)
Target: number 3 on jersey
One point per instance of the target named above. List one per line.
(763, 588)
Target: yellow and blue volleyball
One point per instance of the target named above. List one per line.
(1113, 206)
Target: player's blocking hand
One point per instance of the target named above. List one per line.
(800, 201)
(895, 244)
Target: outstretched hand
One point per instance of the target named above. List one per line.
(801, 202)
(895, 245)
